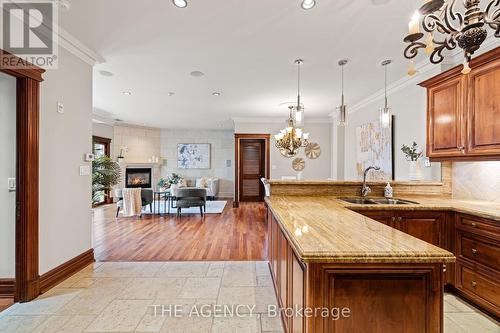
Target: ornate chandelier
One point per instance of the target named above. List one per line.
(468, 30)
(291, 138)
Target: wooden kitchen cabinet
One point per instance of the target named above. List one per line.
(463, 111)
(478, 261)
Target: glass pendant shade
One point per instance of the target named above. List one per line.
(385, 117)
(342, 115)
(298, 116)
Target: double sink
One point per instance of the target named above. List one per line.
(378, 201)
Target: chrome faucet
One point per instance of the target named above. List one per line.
(365, 190)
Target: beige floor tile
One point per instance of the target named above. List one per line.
(20, 324)
(239, 274)
(454, 304)
(152, 288)
(216, 269)
(265, 297)
(271, 324)
(451, 327)
(264, 281)
(184, 269)
(207, 287)
(262, 268)
(77, 324)
(238, 296)
(246, 324)
(187, 325)
(128, 269)
(46, 304)
(52, 324)
(474, 322)
(120, 316)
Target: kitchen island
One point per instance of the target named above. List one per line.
(336, 270)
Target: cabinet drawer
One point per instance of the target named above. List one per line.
(465, 222)
(480, 285)
(480, 250)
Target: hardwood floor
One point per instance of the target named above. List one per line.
(236, 234)
(5, 303)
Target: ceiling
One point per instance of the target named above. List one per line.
(246, 49)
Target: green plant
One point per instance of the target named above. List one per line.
(105, 175)
(412, 152)
(163, 183)
(174, 179)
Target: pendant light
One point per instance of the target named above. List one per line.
(298, 110)
(342, 109)
(385, 112)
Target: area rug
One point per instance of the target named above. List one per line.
(212, 207)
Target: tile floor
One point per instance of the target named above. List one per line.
(122, 297)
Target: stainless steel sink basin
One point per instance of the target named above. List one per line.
(378, 201)
(385, 201)
(359, 201)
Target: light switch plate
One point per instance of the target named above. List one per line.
(11, 184)
(84, 170)
(427, 162)
(60, 107)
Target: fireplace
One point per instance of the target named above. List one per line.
(138, 177)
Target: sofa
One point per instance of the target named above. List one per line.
(211, 185)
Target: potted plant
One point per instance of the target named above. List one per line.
(174, 181)
(412, 154)
(163, 184)
(105, 175)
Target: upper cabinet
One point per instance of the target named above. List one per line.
(463, 111)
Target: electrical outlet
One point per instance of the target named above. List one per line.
(427, 162)
(60, 107)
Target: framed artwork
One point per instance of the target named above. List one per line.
(375, 146)
(193, 155)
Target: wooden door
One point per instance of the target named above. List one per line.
(445, 119)
(426, 226)
(484, 110)
(252, 168)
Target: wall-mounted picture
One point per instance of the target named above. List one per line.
(374, 147)
(193, 156)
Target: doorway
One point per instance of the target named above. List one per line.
(101, 147)
(7, 194)
(252, 164)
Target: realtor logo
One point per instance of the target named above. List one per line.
(29, 31)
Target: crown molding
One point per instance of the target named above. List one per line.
(77, 48)
(425, 70)
(276, 120)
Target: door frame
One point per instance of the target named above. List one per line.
(28, 78)
(107, 151)
(238, 137)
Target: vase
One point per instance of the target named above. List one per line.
(415, 172)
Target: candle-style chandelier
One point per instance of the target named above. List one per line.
(291, 138)
(467, 30)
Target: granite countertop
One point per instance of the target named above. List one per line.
(485, 209)
(325, 229)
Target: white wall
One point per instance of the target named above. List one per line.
(7, 170)
(65, 196)
(320, 168)
(222, 150)
(409, 107)
(103, 130)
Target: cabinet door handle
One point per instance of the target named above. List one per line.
(393, 219)
(474, 251)
(400, 219)
(473, 224)
(474, 284)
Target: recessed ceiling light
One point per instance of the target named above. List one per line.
(308, 4)
(197, 73)
(217, 94)
(171, 93)
(127, 93)
(105, 73)
(180, 3)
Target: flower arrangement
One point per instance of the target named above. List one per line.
(411, 152)
(163, 183)
(174, 179)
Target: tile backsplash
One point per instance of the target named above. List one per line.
(476, 180)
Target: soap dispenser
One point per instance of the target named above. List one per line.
(388, 191)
